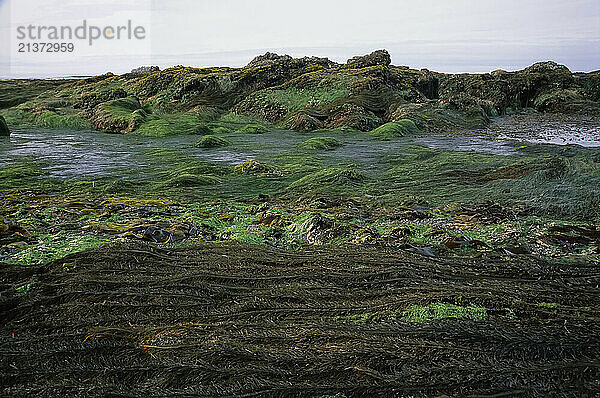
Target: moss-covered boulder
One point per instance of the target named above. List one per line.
(395, 129)
(566, 101)
(354, 116)
(137, 118)
(4, 131)
(255, 167)
(183, 180)
(589, 85)
(379, 57)
(324, 179)
(320, 143)
(116, 116)
(253, 129)
(212, 141)
(303, 122)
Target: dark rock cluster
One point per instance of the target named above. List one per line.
(4, 131)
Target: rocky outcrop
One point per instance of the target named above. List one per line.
(4, 131)
(144, 71)
(428, 84)
(272, 58)
(379, 57)
(312, 93)
(268, 58)
(303, 122)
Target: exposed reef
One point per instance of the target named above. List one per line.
(302, 94)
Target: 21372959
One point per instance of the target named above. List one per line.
(46, 47)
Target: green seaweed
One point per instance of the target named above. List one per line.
(437, 311)
(320, 143)
(391, 130)
(253, 129)
(211, 141)
(173, 124)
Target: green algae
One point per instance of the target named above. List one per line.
(391, 130)
(437, 311)
(420, 314)
(185, 179)
(547, 185)
(173, 124)
(120, 115)
(253, 129)
(54, 246)
(338, 179)
(255, 167)
(299, 94)
(16, 117)
(211, 141)
(292, 99)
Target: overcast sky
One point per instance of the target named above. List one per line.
(448, 36)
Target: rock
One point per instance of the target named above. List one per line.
(565, 101)
(379, 57)
(500, 73)
(11, 233)
(428, 84)
(212, 141)
(320, 61)
(320, 143)
(303, 122)
(424, 251)
(546, 67)
(145, 70)
(4, 131)
(313, 93)
(138, 117)
(353, 116)
(268, 58)
(254, 167)
(395, 129)
(157, 235)
(465, 242)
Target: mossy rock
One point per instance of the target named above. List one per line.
(189, 180)
(4, 131)
(329, 177)
(254, 167)
(391, 130)
(379, 57)
(221, 130)
(253, 129)
(173, 124)
(116, 116)
(138, 117)
(559, 101)
(53, 120)
(212, 141)
(354, 116)
(303, 122)
(320, 143)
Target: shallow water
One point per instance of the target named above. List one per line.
(477, 144)
(547, 129)
(83, 154)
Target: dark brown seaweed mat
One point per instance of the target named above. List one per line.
(242, 321)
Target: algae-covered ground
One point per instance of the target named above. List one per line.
(301, 228)
(62, 190)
